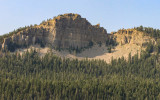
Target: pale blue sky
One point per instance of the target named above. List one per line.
(111, 14)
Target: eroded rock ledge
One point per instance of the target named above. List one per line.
(63, 31)
(132, 36)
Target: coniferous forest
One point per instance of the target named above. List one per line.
(79, 50)
(29, 77)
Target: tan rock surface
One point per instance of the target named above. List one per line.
(129, 42)
(132, 36)
(95, 52)
(64, 31)
(71, 30)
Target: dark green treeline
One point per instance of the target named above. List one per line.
(29, 77)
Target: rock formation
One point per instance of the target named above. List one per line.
(132, 36)
(64, 31)
(71, 31)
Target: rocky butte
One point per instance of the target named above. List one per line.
(132, 36)
(72, 32)
(63, 31)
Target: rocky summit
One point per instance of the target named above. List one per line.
(63, 31)
(71, 36)
(132, 36)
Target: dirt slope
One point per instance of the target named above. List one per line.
(95, 52)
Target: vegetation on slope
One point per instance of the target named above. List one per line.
(11, 33)
(32, 78)
(149, 31)
(19, 30)
(14, 32)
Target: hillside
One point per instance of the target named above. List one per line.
(29, 77)
(67, 58)
(72, 36)
(68, 31)
(129, 41)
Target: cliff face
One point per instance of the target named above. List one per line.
(64, 31)
(29, 36)
(72, 30)
(132, 36)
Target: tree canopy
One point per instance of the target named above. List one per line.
(30, 77)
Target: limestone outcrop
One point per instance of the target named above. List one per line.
(63, 31)
(132, 36)
(71, 31)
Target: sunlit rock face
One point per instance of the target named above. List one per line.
(63, 31)
(132, 36)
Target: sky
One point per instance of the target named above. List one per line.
(111, 14)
